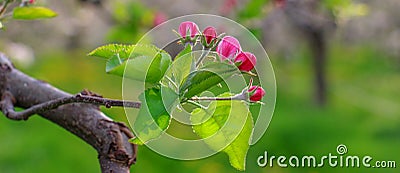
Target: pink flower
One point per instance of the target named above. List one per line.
(188, 29)
(256, 93)
(159, 18)
(31, 1)
(280, 3)
(210, 34)
(228, 47)
(228, 6)
(247, 61)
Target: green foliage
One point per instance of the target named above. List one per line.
(157, 102)
(132, 18)
(31, 13)
(206, 77)
(184, 52)
(221, 125)
(143, 68)
(177, 82)
(107, 51)
(153, 117)
(254, 8)
(346, 9)
(139, 62)
(257, 32)
(158, 67)
(299, 127)
(179, 69)
(332, 4)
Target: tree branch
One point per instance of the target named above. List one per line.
(109, 138)
(8, 108)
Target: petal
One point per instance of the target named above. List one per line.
(184, 27)
(228, 47)
(248, 60)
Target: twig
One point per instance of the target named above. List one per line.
(215, 98)
(202, 56)
(241, 96)
(7, 105)
(197, 104)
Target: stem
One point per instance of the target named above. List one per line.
(202, 56)
(215, 98)
(171, 81)
(52, 104)
(197, 104)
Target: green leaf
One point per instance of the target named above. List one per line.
(179, 69)
(206, 77)
(141, 68)
(139, 62)
(108, 51)
(113, 62)
(253, 8)
(186, 51)
(158, 67)
(30, 13)
(225, 125)
(153, 118)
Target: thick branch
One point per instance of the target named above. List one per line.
(86, 121)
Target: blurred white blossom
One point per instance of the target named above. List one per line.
(21, 54)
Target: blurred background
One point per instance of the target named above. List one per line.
(337, 65)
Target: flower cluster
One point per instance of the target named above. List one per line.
(228, 48)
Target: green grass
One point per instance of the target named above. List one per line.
(362, 112)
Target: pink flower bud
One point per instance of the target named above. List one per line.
(188, 30)
(256, 93)
(210, 34)
(228, 47)
(247, 61)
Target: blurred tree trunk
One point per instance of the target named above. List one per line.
(309, 19)
(317, 44)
